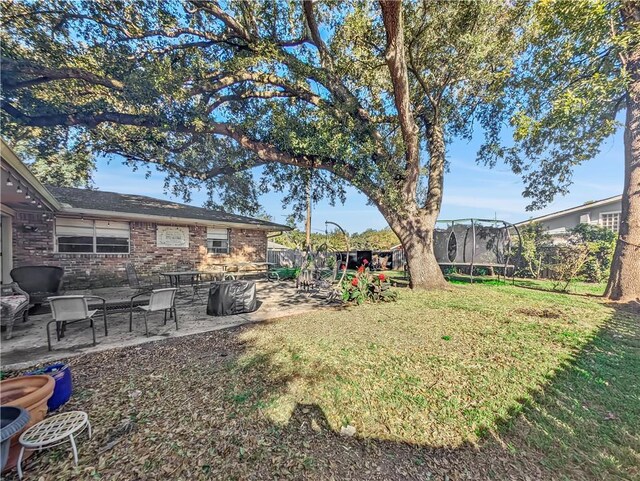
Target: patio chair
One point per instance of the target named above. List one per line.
(40, 282)
(70, 309)
(135, 283)
(198, 284)
(159, 300)
(14, 304)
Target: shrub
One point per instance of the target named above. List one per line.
(569, 259)
(600, 243)
(535, 244)
(366, 286)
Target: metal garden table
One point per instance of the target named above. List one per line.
(175, 277)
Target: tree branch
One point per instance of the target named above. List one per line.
(181, 169)
(266, 152)
(212, 7)
(325, 56)
(268, 94)
(396, 61)
(47, 74)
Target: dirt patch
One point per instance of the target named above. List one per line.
(544, 313)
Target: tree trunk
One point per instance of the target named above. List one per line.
(624, 281)
(416, 236)
(307, 225)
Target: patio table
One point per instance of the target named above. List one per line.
(174, 277)
(243, 268)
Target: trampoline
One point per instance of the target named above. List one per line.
(472, 243)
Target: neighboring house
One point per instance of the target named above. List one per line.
(605, 213)
(274, 246)
(93, 234)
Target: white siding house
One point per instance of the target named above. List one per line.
(605, 213)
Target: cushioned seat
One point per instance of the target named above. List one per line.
(14, 303)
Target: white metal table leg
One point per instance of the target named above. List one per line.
(19, 463)
(89, 428)
(75, 450)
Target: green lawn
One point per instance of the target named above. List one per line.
(476, 382)
(575, 287)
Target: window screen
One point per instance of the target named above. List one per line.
(217, 241)
(88, 236)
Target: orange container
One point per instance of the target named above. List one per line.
(32, 394)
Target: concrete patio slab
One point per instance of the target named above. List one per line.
(28, 346)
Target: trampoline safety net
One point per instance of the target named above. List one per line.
(477, 242)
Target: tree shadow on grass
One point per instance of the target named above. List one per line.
(528, 284)
(584, 422)
(193, 408)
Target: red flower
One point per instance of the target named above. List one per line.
(354, 281)
(381, 277)
(343, 267)
(360, 269)
(365, 262)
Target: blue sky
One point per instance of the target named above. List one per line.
(470, 190)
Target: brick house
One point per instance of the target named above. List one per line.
(94, 234)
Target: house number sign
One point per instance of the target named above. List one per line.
(170, 236)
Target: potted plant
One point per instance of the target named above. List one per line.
(61, 374)
(12, 421)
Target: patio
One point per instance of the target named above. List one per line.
(28, 345)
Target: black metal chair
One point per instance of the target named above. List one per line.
(40, 282)
(135, 283)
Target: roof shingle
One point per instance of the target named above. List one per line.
(140, 204)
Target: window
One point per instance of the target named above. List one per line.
(610, 220)
(92, 236)
(217, 241)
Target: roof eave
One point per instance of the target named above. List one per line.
(15, 163)
(571, 210)
(168, 219)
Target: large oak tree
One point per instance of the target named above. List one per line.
(364, 93)
(581, 70)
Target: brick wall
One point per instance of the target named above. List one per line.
(100, 270)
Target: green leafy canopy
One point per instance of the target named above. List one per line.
(208, 91)
(567, 89)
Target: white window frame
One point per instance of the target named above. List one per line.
(94, 236)
(228, 250)
(602, 214)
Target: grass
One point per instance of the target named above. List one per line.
(575, 287)
(475, 382)
(588, 418)
(435, 368)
